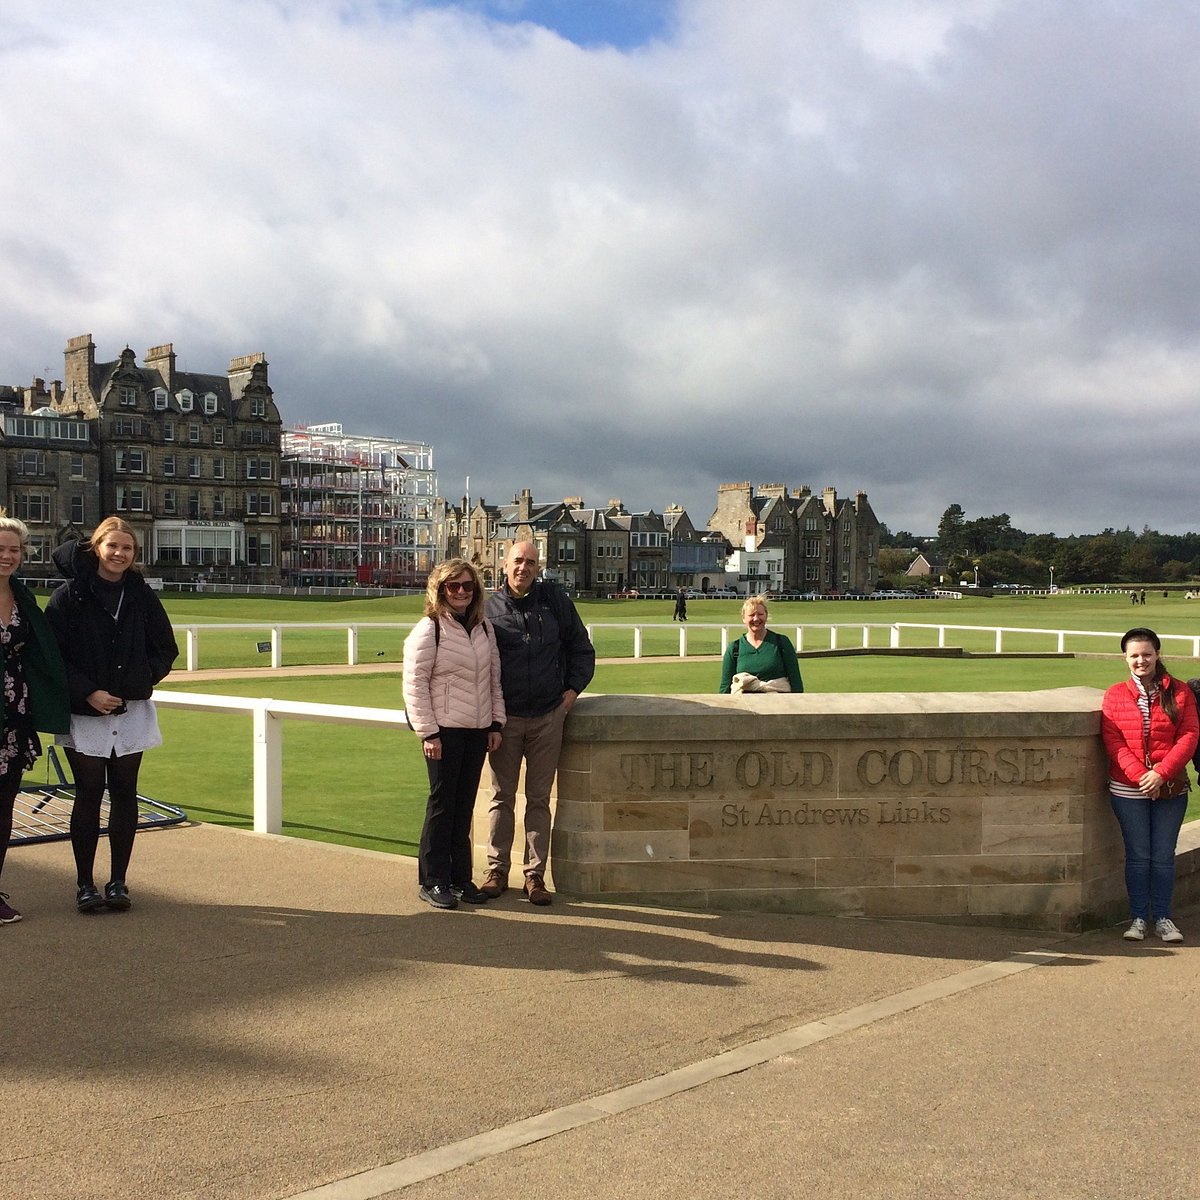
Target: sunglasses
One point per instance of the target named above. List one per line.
(466, 586)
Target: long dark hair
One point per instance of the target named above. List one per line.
(1166, 699)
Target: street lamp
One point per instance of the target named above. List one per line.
(1052, 579)
(976, 574)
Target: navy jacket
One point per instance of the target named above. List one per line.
(544, 648)
(125, 657)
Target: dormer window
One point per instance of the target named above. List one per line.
(160, 399)
(258, 406)
(185, 401)
(210, 404)
(128, 397)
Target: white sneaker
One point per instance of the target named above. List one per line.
(1167, 930)
(1136, 931)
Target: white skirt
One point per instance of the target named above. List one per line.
(120, 734)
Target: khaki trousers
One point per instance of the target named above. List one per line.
(537, 741)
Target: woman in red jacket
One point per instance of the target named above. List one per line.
(1150, 730)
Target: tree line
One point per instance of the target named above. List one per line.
(1003, 554)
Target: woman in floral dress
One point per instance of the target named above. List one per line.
(34, 682)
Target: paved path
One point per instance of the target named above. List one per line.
(279, 1018)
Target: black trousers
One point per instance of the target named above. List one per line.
(444, 855)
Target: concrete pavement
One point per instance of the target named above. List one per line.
(278, 1018)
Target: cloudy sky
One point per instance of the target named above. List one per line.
(937, 250)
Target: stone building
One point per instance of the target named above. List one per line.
(829, 544)
(190, 460)
(49, 470)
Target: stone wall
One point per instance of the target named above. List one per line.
(986, 808)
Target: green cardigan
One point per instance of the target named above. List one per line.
(774, 659)
(44, 670)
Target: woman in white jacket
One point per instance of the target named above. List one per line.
(455, 706)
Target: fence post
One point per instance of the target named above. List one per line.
(352, 646)
(683, 641)
(833, 637)
(276, 646)
(894, 641)
(866, 637)
(1062, 641)
(268, 770)
(193, 648)
(637, 641)
(999, 640)
(799, 638)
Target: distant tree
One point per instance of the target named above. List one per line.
(1101, 558)
(1006, 566)
(893, 560)
(1175, 571)
(1139, 564)
(951, 538)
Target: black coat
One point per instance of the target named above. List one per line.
(125, 657)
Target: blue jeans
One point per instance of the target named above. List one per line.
(1150, 829)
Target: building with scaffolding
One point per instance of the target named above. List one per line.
(355, 509)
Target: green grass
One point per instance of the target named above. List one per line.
(367, 787)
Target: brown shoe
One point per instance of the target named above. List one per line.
(496, 884)
(535, 889)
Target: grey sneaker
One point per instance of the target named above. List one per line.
(8, 914)
(1167, 930)
(1136, 931)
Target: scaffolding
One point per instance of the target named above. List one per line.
(355, 509)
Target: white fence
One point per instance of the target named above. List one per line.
(268, 717)
(833, 636)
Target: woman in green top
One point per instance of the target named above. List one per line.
(34, 684)
(760, 660)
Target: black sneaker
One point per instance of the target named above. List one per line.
(469, 893)
(439, 895)
(116, 895)
(88, 900)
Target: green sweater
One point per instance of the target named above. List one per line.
(44, 670)
(774, 659)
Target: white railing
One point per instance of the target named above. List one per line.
(834, 635)
(268, 717)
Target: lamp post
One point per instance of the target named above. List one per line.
(976, 574)
(1052, 579)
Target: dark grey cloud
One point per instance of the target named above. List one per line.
(936, 251)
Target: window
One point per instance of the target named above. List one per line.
(218, 468)
(160, 399)
(32, 506)
(810, 524)
(39, 549)
(131, 499)
(168, 431)
(194, 433)
(252, 504)
(193, 466)
(812, 573)
(185, 401)
(193, 505)
(566, 552)
(266, 504)
(218, 435)
(252, 549)
(812, 548)
(77, 466)
(264, 552)
(130, 462)
(252, 468)
(258, 407)
(128, 397)
(264, 468)
(210, 403)
(32, 462)
(218, 502)
(76, 510)
(169, 502)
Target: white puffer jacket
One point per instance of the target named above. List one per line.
(453, 683)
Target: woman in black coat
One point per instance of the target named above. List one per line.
(117, 643)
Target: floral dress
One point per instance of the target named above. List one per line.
(20, 746)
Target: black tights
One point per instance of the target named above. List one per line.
(92, 775)
(10, 785)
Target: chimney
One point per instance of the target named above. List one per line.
(80, 368)
(162, 360)
(240, 370)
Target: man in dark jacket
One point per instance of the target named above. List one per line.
(546, 660)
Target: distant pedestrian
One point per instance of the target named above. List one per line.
(1133, 598)
(1143, 597)
(680, 613)
(34, 681)
(1150, 729)
(455, 706)
(117, 643)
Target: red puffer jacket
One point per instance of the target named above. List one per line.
(1172, 744)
